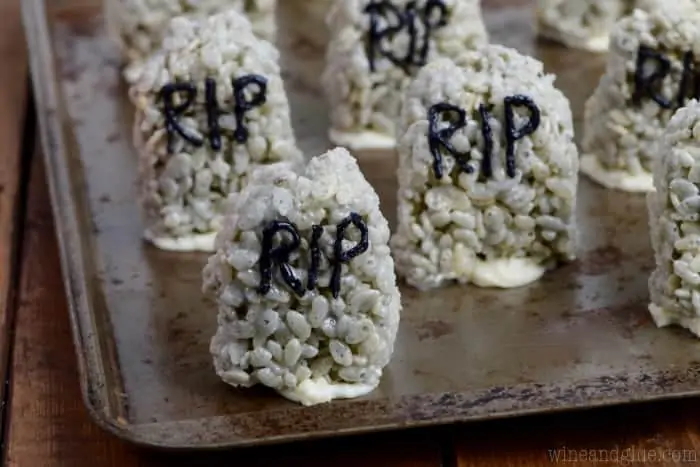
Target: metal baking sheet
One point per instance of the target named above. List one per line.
(579, 338)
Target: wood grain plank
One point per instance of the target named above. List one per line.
(13, 92)
(49, 425)
(663, 434)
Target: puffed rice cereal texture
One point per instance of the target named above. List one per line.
(138, 26)
(365, 102)
(184, 191)
(674, 212)
(620, 131)
(497, 231)
(583, 24)
(311, 348)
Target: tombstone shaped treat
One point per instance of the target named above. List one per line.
(376, 48)
(138, 25)
(674, 223)
(210, 108)
(583, 24)
(305, 284)
(488, 172)
(651, 71)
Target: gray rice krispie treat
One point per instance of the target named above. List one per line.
(650, 73)
(376, 48)
(305, 284)
(488, 172)
(583, 24)
(674, 211)
(210, 108)
(139, 25)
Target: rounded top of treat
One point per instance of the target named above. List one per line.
(658, 24)
(189, 32)
(154, 12)
(479, 83)
(457, 26)
(221, 46)
(486, 75)
(142, 23)
(329, 188)
(451, 26)
(353, 12)
(136, 14)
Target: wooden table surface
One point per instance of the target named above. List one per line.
(46, 424)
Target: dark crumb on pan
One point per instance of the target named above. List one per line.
(433, 330)
(600, 261)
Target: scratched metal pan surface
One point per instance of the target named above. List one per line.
(579, 338)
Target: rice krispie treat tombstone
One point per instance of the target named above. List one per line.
(583, 24)
(139, 25)
(674, 211)
(488, 172)
(376, 48)
(651, 72)
(210, 108)
(305, 284)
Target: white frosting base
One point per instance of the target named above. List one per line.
(506, 273)
(664, 318)
(597, 44)
(315, 391)
(363, 140)
(616, 179)
(201, 243)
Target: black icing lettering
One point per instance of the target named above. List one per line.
(487, 134)
(440, 138)
(171, 112)
(441, 20)
(279, 256)
(410, 21)
(432, 16)
(341, 256)
(688, 80)
(242, 106)
(647, 85)
(695, 85)
(312, 280)
(376, 11)
(212, 106)
(514, 134)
